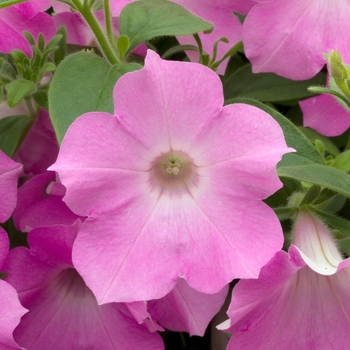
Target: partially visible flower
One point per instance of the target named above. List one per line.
(11, 310)
(63, 312)
(325, 114)
(289, 38)
(40, 204)
(9, 172)
(299, 301)
(23, 17)
(226, 24)
(172, 185)
(39, 149)
(186, 310)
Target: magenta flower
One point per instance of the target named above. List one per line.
(325, 114)
(63, 312)
(290, 37)
(11, 310)
(40, 204)
(301, 299)
(24, 17)
(9, 172)
(172, 184)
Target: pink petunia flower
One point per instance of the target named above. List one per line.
(172, 185)
(325, 114)
(63, 312)
(301, 299)
(11, 310)
(290, 37)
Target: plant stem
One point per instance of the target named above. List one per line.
(103, 42)
(108, 19)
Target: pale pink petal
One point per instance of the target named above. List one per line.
(110, 153)
(11, 312)
(325, 114)
(293, 43)
(9, 172)
(315, 244)
(186, 310)
(166, 118)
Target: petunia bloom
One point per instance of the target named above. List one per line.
(289, 38)
(11, 310)
(63, 312)
(301, 299)
(171, 184)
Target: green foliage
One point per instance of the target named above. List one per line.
(11, 130)
(82, 83)
(268, 87)
(147, 19)
(5, 3)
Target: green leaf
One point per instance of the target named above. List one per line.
(313, 135)
(5, 3)
(268, 87)
(11, 129)
(342, 162)
(17, 90)
(122, 45)
(302, 169)
(294, 137)
(83, 82)
(40, 96)
(147, 19)
(60, 53)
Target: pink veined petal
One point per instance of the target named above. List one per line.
(63, 312)
(300, 33)
(111, 153)
(170, 119)
(11, 312)
(186, 310)
(325, 114)
(9, 172)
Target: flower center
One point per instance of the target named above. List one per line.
(173, 169)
